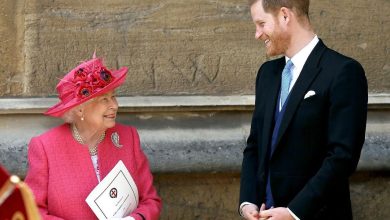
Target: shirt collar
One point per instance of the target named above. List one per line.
(300, 58)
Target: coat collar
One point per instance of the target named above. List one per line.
(308, 74)
(108, 156)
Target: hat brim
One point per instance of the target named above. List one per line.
(60, 108)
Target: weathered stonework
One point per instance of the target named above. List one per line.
(214, 196)
(194, 146)
(359, 29)
(171, 47)
(11, 48)
(370, 195)
(199, 196)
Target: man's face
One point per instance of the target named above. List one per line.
(269, 30)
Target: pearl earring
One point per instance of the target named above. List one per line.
(82, 118)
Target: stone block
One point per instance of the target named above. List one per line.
(11, 47)
(198, 196)
(359, 29)
(370, 194)
(170, 47)
(215, 195)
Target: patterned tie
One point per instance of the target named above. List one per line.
(286, 81)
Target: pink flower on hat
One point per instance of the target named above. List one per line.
(80, 75)
(83, 90)
(90, 80)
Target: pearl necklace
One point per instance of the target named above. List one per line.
(77, 136)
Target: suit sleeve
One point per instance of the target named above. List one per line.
(38, 176)
(249, 169)
(149, 206)
(347, 115)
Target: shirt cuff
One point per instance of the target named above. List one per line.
(293, 215)
(244, 204)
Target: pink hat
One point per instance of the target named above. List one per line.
(86, 81)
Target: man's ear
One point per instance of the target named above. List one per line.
(284, 15)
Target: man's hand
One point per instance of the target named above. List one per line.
(250, 212)
(262, 208)
(279, 213)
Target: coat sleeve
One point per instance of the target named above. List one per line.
(38, 175)
(249, 169)
(149, 206)
(347, 115)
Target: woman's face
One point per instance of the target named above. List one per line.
(100, 113)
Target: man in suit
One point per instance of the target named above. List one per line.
(308, 126)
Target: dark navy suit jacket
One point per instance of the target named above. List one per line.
(319, 140)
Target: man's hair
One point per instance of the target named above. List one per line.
(300, 6)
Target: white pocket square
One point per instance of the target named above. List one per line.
(309, 94)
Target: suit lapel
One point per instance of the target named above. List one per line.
(308, 74)
(271, 97)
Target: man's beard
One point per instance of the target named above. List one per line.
(279, 42)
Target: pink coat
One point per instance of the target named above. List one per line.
(61, 173)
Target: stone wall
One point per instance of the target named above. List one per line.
(172, 47)
(214, 196)
(194, 145)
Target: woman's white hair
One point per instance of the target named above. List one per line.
(70, 116)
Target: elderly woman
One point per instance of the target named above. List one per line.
(68, 161)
